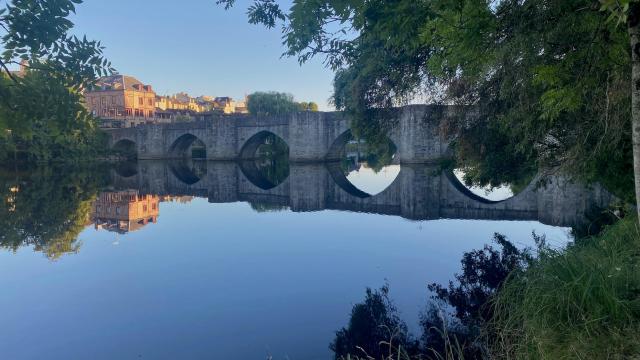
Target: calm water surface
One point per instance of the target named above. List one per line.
(222, 260)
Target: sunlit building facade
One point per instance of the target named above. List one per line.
(120, 96)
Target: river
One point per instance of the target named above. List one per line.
(176, 260)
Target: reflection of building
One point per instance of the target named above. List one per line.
(179, 199)
(11, 199)
(124, 211)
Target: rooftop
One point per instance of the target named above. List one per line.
(118, 82)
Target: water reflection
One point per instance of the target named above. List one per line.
(124, 211)
(499, 193)
(47, 208)
(188, 171)
(51, 206)
(369, 167)
(265, 160)
(226, 255)
(451, 322)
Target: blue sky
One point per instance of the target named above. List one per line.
(197, 47)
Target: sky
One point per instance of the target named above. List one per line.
(198, 47)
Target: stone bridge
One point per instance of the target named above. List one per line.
(419, 192)
(311, 136)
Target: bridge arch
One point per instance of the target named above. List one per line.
(126, 169)
(188, 146)
(336, 149)
(260, 139)
(126, 147)
(339, 152)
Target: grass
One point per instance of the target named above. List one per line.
(579, 303)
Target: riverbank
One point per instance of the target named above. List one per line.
(581, 302)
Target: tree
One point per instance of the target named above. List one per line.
(308, 106)
(37, 32)
(312, 106)
(271, 103)
(628, 11)
(550, 78)
(41, 112)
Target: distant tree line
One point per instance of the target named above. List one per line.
(276, 103)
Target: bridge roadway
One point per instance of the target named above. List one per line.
(311, 136)
(420, 192)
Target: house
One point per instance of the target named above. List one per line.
(120, 96)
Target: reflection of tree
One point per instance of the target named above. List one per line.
(264, 207)
(374, 330)
(488, 158)
(450, 325)
(272, 159)
(47, 208)
(483, 273)
(374, 154)
(272, 146)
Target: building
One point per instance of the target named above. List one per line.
(121, 96)
(224, 104)
(124, 211)
(241, 107)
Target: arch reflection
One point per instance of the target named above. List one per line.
(265, 160)
(363, 168)
(188, 171)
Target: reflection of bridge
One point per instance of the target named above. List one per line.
(419, 192)
(311, 136)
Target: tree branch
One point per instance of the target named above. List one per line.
(8, 72)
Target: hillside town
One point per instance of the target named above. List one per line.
(124, 101)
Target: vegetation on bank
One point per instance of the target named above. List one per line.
(276, 103)
(42, 116)
(44, 120)
(580, 302)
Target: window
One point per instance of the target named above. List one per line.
(113, 100)
(104, 100)
(153, 206)
(140, 101)
(144, 208)
(128, 112)
(150, 102)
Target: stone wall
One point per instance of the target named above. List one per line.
(416, 131)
